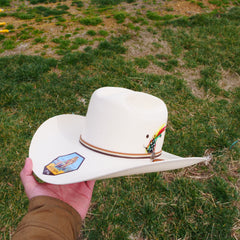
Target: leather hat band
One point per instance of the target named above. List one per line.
(119, 154)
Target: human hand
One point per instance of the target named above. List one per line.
(77, 195)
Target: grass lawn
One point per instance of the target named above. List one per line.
(58, 53)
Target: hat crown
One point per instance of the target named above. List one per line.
(124, 120)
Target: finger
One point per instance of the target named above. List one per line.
(27, 177)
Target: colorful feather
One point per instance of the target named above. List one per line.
(152, 144)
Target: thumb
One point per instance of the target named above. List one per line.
(27, 178)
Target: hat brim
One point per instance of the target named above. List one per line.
(59, 136)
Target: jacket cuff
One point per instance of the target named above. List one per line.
(48, 216)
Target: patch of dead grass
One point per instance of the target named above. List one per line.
(190, 76)
(187, 8)
(152, 69)
(141, 45)
(230, 80)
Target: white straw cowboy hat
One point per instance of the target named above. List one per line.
(122, 134)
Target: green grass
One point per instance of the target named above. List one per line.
(2, 37)
(209, 80)
(36, 12)
(210, 41)
(43, 1)
(103, 33)
(8, 44)
(10, 27)
(40, 40)
(46, 11)
(141, 62)
(4, 3)
(91, 33)
(80, 41)
(200, 202)
(155, 16)
(78, 3)
(163, 209)
(219, 3)
(23, 16)
(109, 2)
(120, 16)
(92, 21)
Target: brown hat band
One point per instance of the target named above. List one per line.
(119, 154)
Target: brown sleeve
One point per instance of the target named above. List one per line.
(49, 218)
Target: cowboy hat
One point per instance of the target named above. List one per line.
(121, 134)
